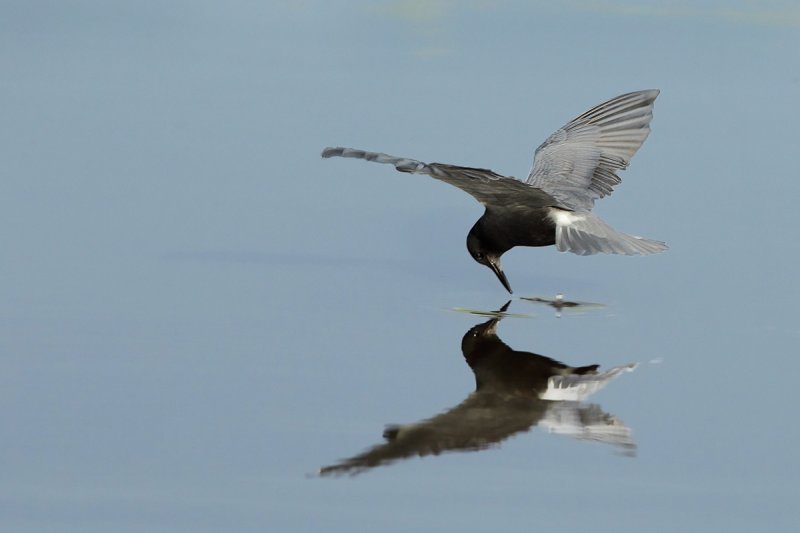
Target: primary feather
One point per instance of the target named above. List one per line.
(578, 163)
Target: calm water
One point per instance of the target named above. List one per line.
(198, 312)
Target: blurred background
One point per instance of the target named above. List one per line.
(197, 312)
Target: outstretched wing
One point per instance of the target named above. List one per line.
(578, 163)
(488, 187)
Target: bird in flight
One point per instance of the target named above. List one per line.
(571, 169)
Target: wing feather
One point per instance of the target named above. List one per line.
(578, 163)
(486, 186)
(582, 233)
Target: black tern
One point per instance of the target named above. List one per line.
(514, 391)
(572, 168)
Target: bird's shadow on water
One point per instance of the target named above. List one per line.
(514, 391)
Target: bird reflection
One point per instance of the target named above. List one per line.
(514, 391)
(558, 303)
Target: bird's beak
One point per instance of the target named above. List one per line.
(495, 266)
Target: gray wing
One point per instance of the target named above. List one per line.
(488, 187)
(578, 163)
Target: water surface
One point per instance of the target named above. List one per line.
(198, 312)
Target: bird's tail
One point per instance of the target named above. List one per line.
(577, 387)
(583, 233)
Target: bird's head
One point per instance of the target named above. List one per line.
(484, 254)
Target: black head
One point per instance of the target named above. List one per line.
(482, 334)
(483, 253)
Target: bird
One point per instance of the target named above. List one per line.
(514, 391)
(572, 168)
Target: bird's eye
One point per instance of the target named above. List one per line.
(479, 255)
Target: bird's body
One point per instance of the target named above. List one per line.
(575, 166)
(503, 229)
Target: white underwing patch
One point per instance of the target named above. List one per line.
(563, 218)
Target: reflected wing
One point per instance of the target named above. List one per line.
(478, 422)
(578, 163)
(588, 422)
(567, 416)
(488, 187)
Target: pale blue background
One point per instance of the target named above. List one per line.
(197, 311)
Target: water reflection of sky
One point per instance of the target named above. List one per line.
(198, 311)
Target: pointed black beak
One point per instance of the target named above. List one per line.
(495, 266)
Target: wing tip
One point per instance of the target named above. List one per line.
(645, 94)
(331, 151)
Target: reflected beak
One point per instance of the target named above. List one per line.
(490, 327)
(495, 266)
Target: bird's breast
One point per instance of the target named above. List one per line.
(522, 227)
